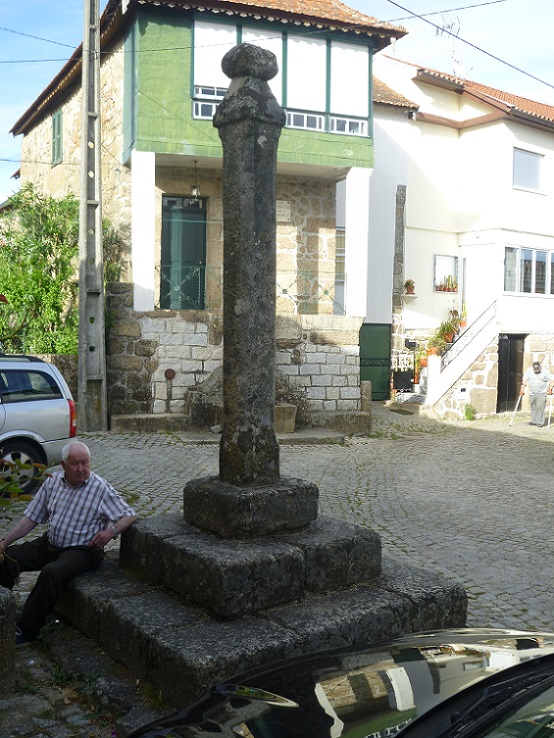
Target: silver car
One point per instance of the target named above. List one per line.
(37, 416)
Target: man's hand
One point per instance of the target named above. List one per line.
(102, 538)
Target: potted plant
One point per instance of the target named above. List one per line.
(446, 330)
(454, 318)
(409, 286)
(420, 359)
(463, 316)
(436, 345)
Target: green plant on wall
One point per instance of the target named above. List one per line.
(469, 412)
(39, 248)
(39, 238)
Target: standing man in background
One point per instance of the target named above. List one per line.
(540, 384)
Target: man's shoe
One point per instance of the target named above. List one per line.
(20, 639)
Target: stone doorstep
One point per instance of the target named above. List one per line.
(232, 579)
(180, 650)
(285, 417)
(349, 422)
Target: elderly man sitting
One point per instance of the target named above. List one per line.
(82, 513)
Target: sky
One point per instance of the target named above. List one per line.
(505, 44)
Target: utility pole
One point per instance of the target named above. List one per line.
(92, 404)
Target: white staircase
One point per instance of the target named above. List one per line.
(444, 371)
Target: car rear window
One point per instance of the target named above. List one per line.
(20, 385)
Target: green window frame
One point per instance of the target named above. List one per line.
(57, 138)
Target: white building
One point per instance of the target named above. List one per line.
(475, 167)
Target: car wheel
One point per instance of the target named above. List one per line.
(16, 466)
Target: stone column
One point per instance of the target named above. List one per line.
(249, 121)
(249, 499)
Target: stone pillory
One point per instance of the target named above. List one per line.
(249, 121)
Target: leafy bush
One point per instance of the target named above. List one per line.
(39, 250)
(39, 245)
(14, 476)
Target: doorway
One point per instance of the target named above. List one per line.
(510, 371)
(375, 341)
(183, 267)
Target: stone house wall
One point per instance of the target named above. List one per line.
(478, 387)
(36, 151)
(317, 354)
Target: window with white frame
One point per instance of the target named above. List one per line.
(527, 170)
(528, 271)
(57, 138)
(321, 93)
(305, 120)
(446, 274)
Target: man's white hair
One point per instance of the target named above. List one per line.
(66, 451)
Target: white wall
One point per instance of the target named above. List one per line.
(390, 171)
(356, 239)
(143, 228)
(460, 202)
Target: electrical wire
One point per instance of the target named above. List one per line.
(407, 10)
(413, 15)
(473, 46)
(448, 10)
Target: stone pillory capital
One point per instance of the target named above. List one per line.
(249, 96)
(247, 60)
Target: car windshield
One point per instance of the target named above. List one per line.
(534, 719)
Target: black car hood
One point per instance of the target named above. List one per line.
(370, 692)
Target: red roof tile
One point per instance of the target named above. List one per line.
(511, 103)
(330, 14)
(385, 95)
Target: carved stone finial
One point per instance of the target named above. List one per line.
(247, 60)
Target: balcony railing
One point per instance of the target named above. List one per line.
(207, 99)
(301, 293)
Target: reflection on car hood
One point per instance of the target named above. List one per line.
(370, 692)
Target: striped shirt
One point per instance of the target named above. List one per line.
(74, 515)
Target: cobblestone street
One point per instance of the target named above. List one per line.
(470, 500)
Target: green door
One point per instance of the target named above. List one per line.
(375, 340)
(183, 268)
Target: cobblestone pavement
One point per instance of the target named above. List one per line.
(468, 499)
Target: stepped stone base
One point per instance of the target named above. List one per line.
(231, 579)
(246, 512)
(181, 649)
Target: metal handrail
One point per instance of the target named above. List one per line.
(468, 335)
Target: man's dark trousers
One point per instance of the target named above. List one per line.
(57, 567)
